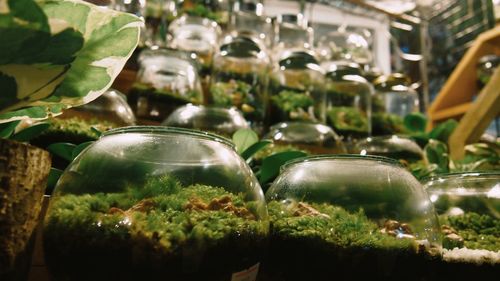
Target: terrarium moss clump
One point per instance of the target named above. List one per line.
(348, 121)
(161, 230)
(335, 244)
(73, 130)
(387, 124)
(293, 105)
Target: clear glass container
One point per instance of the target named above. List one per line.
(353, 217)
(313, 138)
(159, 14)
(196, 35)
(296, 89)
(222, 121)
(338, 45)
(468, 206)
(248, 17)
(216, 10)
(155, 203)
(291, 33)
(111, 107)
(396, 94)
(348, 99)
(166, 80)
(239, 78)
(395, 147)
(486, 66)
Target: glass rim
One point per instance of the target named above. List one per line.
(170, 130)
(458, 175)
(320, 157)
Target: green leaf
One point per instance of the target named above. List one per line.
(54, 176)
(271, 165)
(7, 129)
(443, 131)
(63, 150)
(96, 131)
(436, 152)
(30, 132)
(254, 148)
(415, 122)
(243, 139)
(79, 148)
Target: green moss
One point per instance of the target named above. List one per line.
(150, 230)
(191, 96)
(348, 121)
(478, 231)
(387, 124)
(341, 230)
(291, 101)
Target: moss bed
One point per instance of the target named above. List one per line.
(326, 242)
(161, 231)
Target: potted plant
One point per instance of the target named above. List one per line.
(50, 60)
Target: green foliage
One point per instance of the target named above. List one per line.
(244, 138)
(169, 224)
(436, 152)
(443, 131)
(56, 54)
(387, 124)
(271, 165)
(54, 176)
(341, 230)
(347, 119)
(232, 93)
(415, 122)
(30, 132)
(255, 148)
(7, 129)
(478, 231)
(290, 101)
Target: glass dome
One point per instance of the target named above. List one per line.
(468, 206)
(198, 36)
(396, 94)
(248, 17)
(395, 147)
(110, 107)
(348, 99)
(239, 78)
(313, 138)
(351, 46)
(222, 121)
(292, 33)
(166, 80)
(351, 217)
(296, 89)
(147, 203)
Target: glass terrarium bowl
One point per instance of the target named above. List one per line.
(291, 33)
(395, 147)
(353, 217)
(468, 206)
(351, 46)
(111, 107)
(348, 99)
(248, 17)
(486, 66)
(313, 138)
(222, 121)
(198, 36)
(296, 89)
(166, 80)
(239, 78)
(150, 203)
(396, 95)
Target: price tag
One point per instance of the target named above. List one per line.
(249, 274)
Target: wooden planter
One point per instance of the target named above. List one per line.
(24, 171)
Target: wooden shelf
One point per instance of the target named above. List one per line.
(454, 112)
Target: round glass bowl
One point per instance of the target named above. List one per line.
(143, 203)
(396, 94)
(395, 147)
(468, 206)
(296, 89)
(352, 217)
(348, 99)
(222, 121)
(111, 107)
(313, 138)
(166, 80)
(350, 46)
(239, 78)
(196, 35)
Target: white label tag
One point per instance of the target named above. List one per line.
(246, 275)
